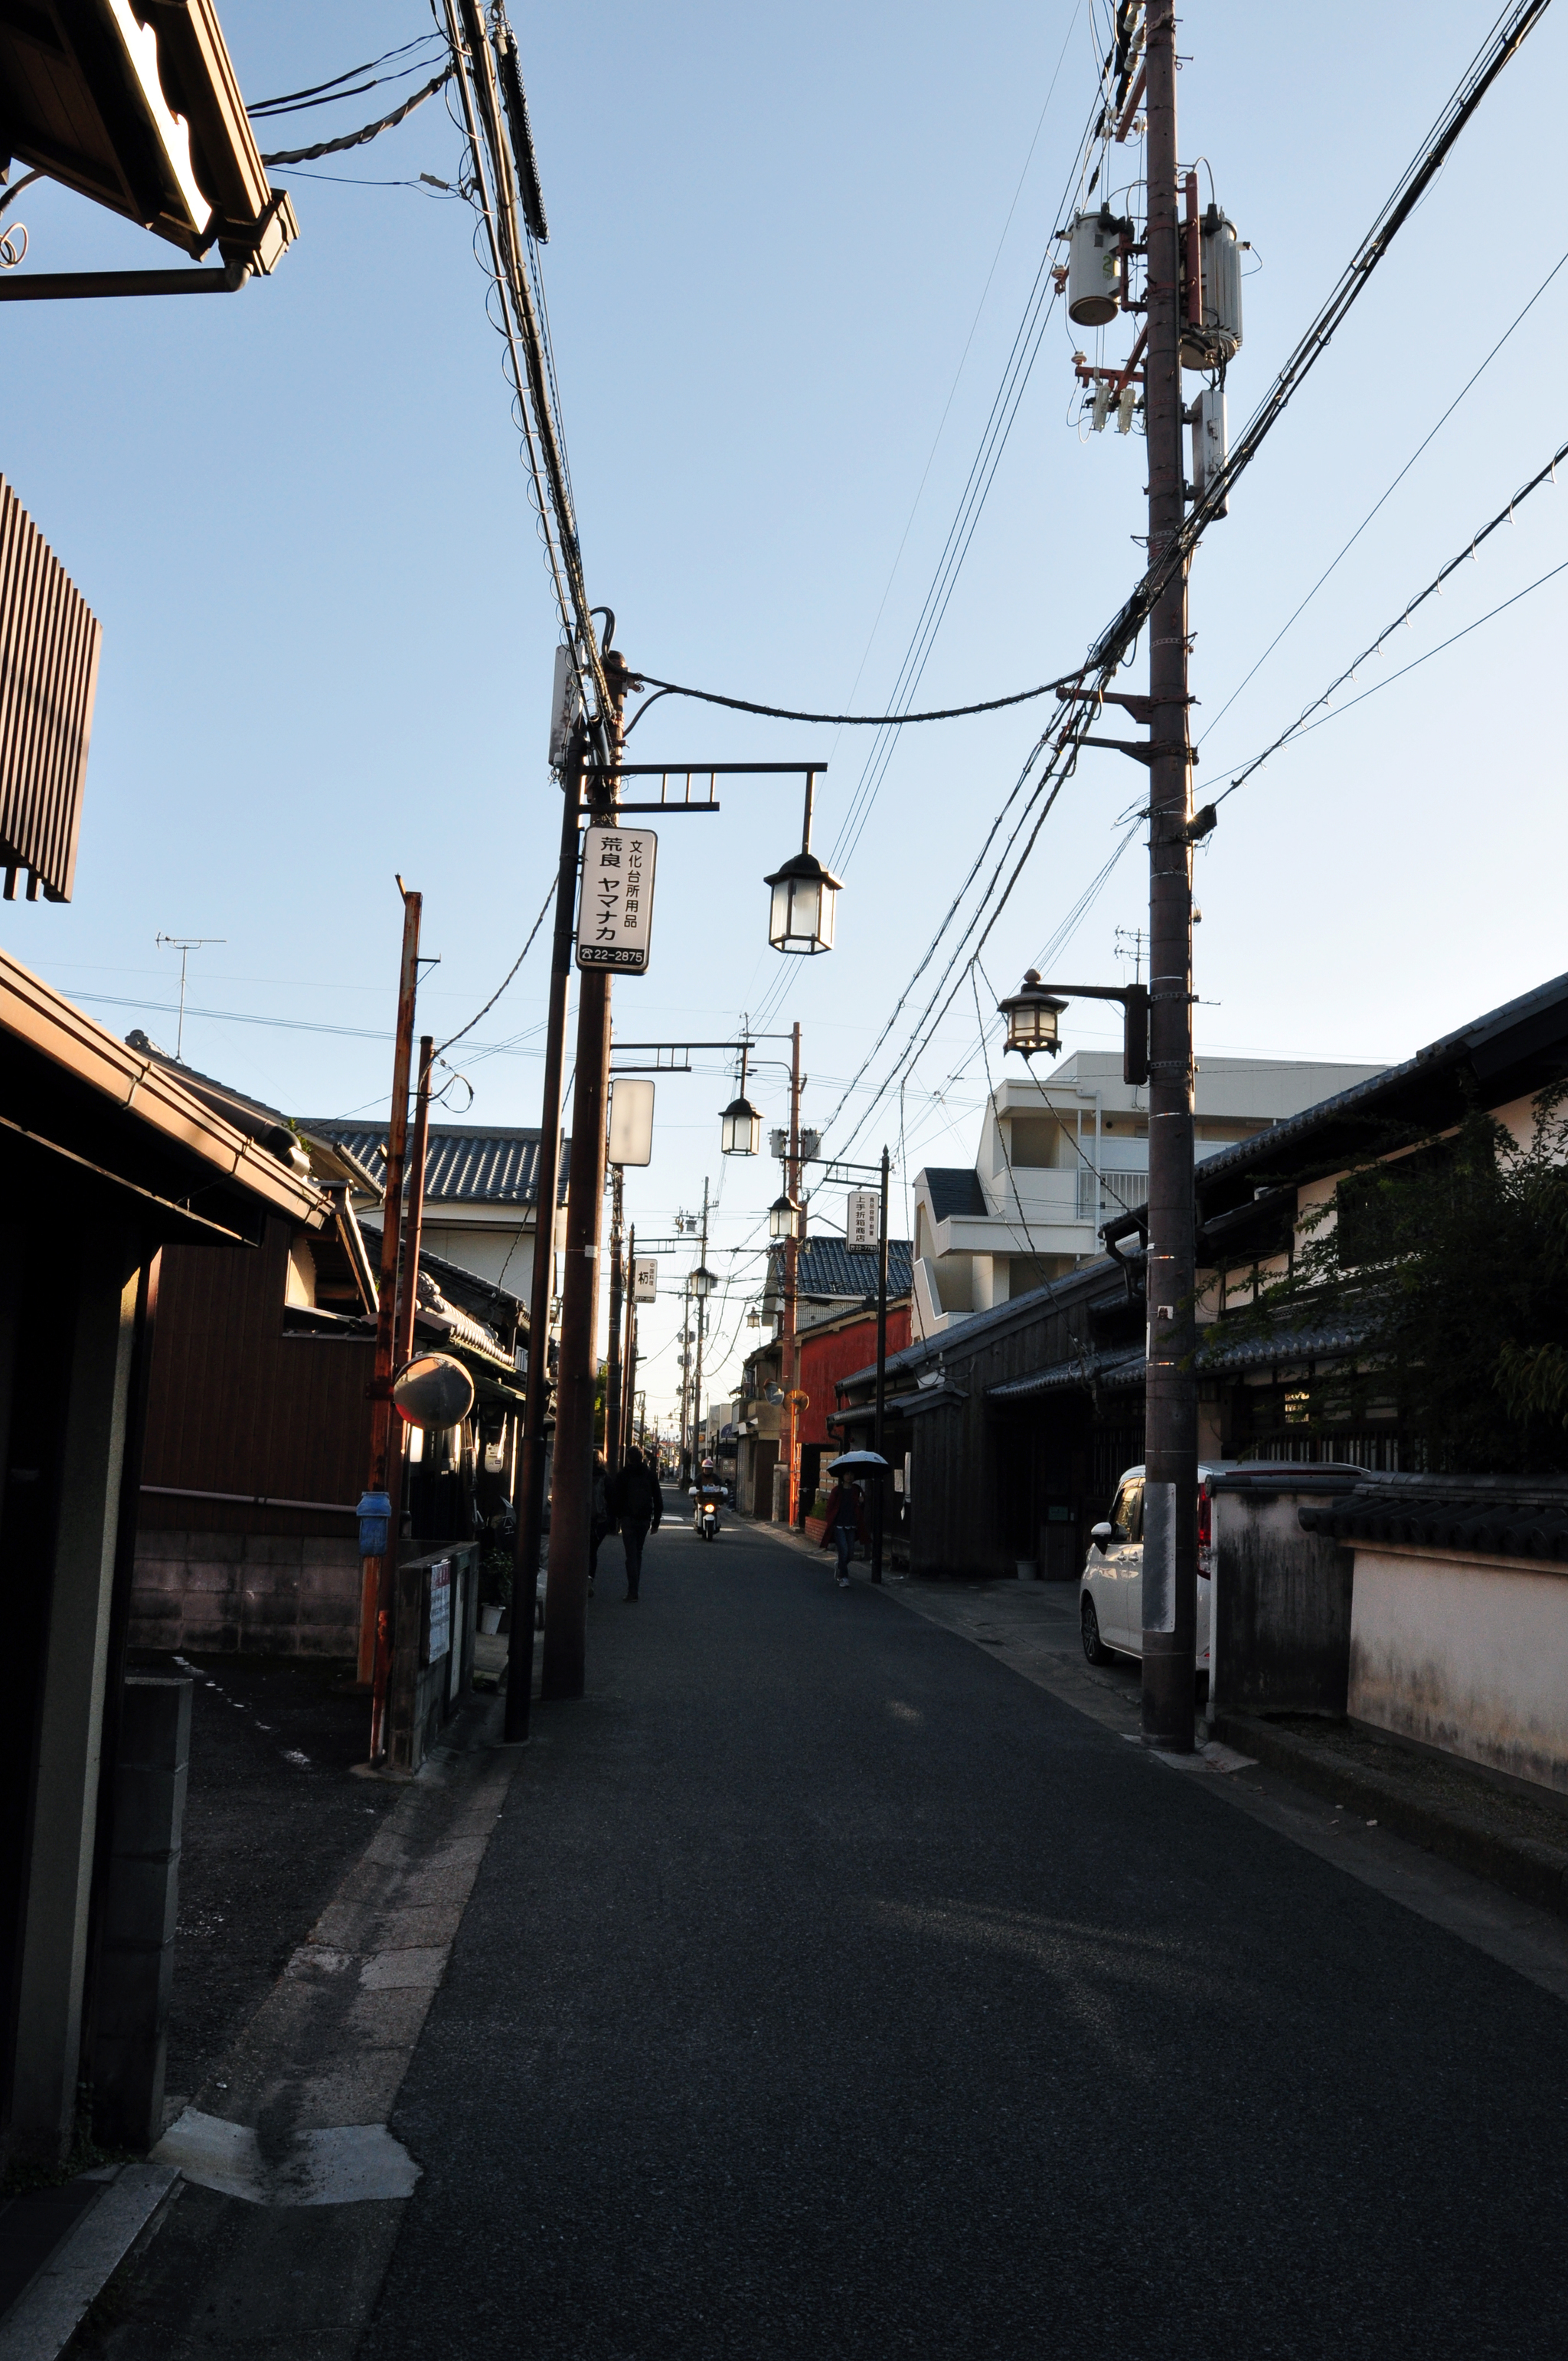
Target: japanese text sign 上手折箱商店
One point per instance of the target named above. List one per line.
(862, 1223)
(616, 905)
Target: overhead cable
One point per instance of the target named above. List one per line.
(371, 130)
(1547, 475)
(1511, 29)
(845, 721)
(464, 1030)
(295, 98)
(1385, 496)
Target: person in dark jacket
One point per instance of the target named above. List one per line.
(846, 1524)
(639, 1507)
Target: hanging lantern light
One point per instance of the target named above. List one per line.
(702, 1280)
(739, 1128)
(753, 1317)
(801, 917)
(786, 1219)
(1032, 1015)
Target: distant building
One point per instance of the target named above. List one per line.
(481, 1189)
(1062, 1154)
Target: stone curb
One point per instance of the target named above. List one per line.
(51, 2307)
(1534, 1871)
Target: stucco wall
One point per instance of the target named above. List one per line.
(1467, 1653)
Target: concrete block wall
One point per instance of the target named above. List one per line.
(247, 1594)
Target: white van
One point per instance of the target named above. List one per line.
(1111, 1590)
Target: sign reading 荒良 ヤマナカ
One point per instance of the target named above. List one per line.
(616, 907)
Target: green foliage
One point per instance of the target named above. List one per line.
(1452, 1262)
(495, 1578)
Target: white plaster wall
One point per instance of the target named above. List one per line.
(1468, 1654)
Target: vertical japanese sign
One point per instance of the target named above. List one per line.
(616, 907)
(438, 1630)
(645, 1280)
(862, 1222)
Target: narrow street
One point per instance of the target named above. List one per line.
(826, 1987)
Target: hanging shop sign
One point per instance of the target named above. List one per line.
(645, 1280)
(862, 1222)
(615, 909)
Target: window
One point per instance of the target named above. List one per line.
(1127, 1514)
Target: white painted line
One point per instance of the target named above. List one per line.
(51, 2310)
(351, 2165)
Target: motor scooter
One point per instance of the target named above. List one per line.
(705, 1517)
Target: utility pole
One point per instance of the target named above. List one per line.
(1170, 1485)
(701, 1328)
(612, 1374)
(376, 1574)
(566, 1585)
(879, 1496)
(540, 1292)
(683, 1449)
(628, 1354)
(413, 1220)
(790, 1339)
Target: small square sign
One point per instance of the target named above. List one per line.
(863, 1224)
(615, 909)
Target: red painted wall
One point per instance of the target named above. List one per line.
(826, 1359)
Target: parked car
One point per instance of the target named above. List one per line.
(1111, 1588)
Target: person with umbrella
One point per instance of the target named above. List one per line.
(846, 1520)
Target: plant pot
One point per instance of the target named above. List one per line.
(1028, 1569)
(489, 1621)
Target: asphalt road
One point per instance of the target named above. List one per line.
(829, 1989)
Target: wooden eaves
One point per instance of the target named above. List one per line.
(77, 1093)
(136, 105)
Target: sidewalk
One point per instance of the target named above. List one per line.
(1491, 1827)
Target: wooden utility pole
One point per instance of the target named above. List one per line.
(612, 1403)
(540, 1292)
(378, 1573)
(1170, 1485)
(413, 1220)
(566, 1584)
(790, 1339)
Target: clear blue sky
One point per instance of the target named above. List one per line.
(302, 518)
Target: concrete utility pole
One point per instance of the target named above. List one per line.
(540, 1292)
(612, 1374)
(629, 1357)
(566, 1584)
(376, 1574)
(790, 1337)
(878, 1478)
(1170, 1486)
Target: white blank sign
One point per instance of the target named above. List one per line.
(630, 1122)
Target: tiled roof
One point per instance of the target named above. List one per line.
(952, 1188)
(829, 1269)
(1505, 1523)
(464, 1166)
(1125, 1361)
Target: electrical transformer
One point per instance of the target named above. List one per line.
(1219, 338)
(1093, 268)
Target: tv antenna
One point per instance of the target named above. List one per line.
(185, 945)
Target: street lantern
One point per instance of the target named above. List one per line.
(740, 1128)
(1032, 1015)
(786, 1219)
(753, 1317)
(801, 917)
(702, 1280)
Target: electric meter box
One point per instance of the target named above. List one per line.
(1093, 268)
(1219, 337)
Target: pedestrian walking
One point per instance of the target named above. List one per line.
(638, 1505)
(846, 1525)
(598, 1514)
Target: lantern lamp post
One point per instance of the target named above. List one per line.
(801, 917)
(741, 1124)
(786, 1219)
(1032, 1015)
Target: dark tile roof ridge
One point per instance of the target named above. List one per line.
(930, 1348)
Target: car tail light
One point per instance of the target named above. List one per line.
(1205, 1534)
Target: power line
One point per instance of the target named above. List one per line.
(1517, 23)
(1384, 499)
(464, 1030)
(1114, 644)
(1547, 475)
(369, 131)
(313, 90)
(844, 721)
